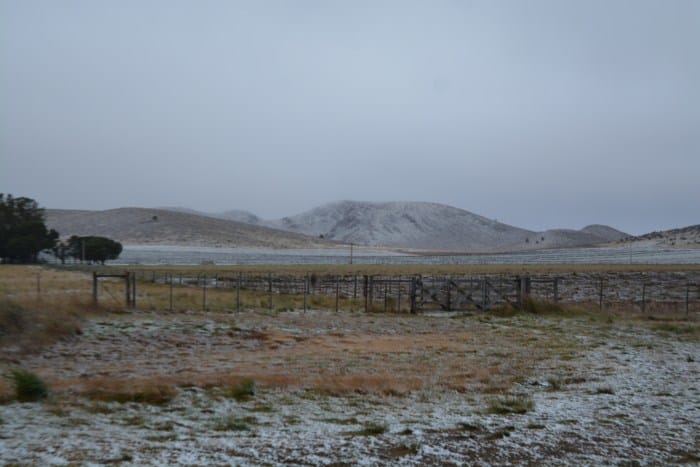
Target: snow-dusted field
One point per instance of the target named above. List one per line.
(167, 254)
(366, 389)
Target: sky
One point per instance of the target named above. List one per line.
(540, 114)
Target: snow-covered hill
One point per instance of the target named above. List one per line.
(173, 227)
(685, 237)
(430, 226)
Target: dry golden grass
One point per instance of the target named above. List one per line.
(31, 327)
(39, 305)
(331, 363)
(337, 353)
(6, 391)
(143, 390)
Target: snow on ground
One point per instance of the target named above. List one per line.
(624, 393)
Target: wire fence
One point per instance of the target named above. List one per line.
(644, 292)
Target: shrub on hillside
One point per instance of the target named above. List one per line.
(29, 387)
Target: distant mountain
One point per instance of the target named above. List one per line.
(685, 237)
(430, 226)
(237, 215)
(404, 225)
(605, 232)
(173, 227)
(241, 216)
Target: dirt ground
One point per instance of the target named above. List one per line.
(352, 388)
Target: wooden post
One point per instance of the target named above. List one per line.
(337, 293)
(398, 298)
(484, 295)
(601, 295)
(38, 285)
(94, 287)
(204, 293)
(449, 296)
(412, 292)
(171, 293)
(644, 298)
(370, 292)
(556, 289)
(306, 289)
(238, 293)
(127, 288)
(687, 299)
(366, 292)
(269, 290)
(354, 290)
(133, 290)
(386, 295)
(180, 279)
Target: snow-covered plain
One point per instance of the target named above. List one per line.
(168, 254)
(604, 392)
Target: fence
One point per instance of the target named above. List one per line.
(678, 291)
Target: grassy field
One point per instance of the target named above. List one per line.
(283, 386)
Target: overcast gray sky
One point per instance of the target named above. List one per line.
(538, 113)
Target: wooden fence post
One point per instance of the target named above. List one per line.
(238, 292)
(386, 295)
(306, 288)
(127, 289)
(337, 293)
(449, 295)
(204, 293)
(556, 289)
(412, 292)
(398, 297)
(644, 297)
(269, 290)
(687, 299)
(94, 287)
(133, 290)
(171, 293)
(601, 294)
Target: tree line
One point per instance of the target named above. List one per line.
(24, 236)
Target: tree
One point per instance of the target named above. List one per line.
(23, 234)
(93, 248)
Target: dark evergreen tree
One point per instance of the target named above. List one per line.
(23, 234)
(93, 248)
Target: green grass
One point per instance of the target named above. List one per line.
(679, 329)
(29, 387)
(369, 429)
(242, 390)
(507, 405)
(235, 424)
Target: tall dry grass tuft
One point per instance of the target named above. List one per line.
(28, 327)
(6, 392)
(145, 390)
(387, 384)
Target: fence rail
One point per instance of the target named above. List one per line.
(679, 291)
